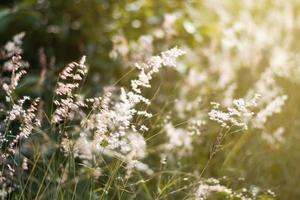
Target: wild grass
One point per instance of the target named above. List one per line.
(213, 121)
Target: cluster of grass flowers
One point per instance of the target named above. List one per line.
(201, 122)
(99, 139)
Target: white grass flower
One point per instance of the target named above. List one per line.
(69, 81)
(178, 139)
(237, 115)
(109, 129)
(204, 190)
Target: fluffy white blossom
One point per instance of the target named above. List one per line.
(178, 139)
(109, 128)
(69, 81)
(204, 190)
(237, 115)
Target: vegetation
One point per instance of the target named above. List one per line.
(106, 99)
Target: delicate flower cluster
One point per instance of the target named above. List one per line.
(14, 46)
(69, 81)
(142, 49)
(134, 145)
(273, 100)
(238, 115)
(212, 186)
(17, 71)
(17, 109)
(167, 58)
(204, 190)
(17, 115)
(258, 43)
(30, 119)
(109, 127)
(178, 139)
(125, 109)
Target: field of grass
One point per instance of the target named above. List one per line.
(187, 100)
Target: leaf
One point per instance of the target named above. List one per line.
(5, 19)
